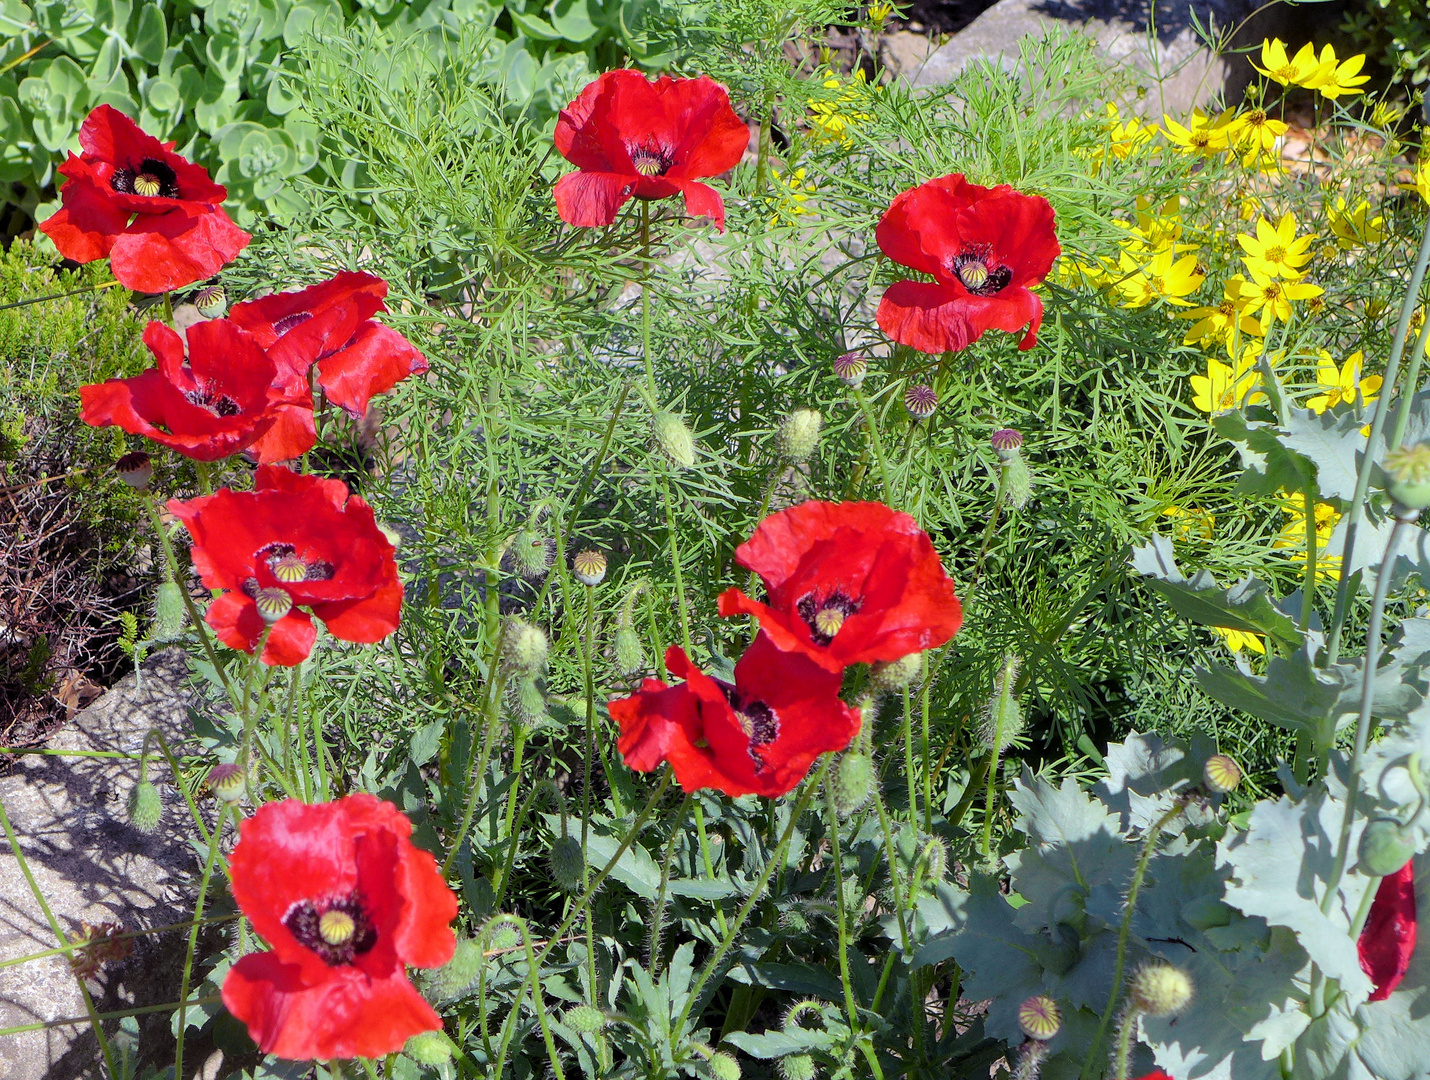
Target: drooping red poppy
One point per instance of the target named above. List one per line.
(157, 216)
(294, 542)
(983, 246)
(758, 736)
(222, 400)
(347, 903)
(629, 136)
(331, 325)
(1388, 941)
(848, 583)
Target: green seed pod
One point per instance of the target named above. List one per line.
(568, 865)
(169, 612)
(854, 782)
(211, 301)
(1159, 989)
(457, 974)
(524, 647)
(226, 782)
(850, 369)
(630, 655)
(890, 675)
(1408, 468)
(145, 807)
(1003, 716)
(1385, 847)
(723, 1066)
(798, 436)
(1221, 774)
(589, 567)
(1040, 1018)
(135, 469)
(673, 438)
(530, 554)
(429, 1048)
(1018, 483)
(797, 1067)
(584, 1019)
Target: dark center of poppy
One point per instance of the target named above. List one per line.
(979, 274)
(283, 325)
(825, 617)
(338, 931)
(218, 404)
(151, 179)
(651, 160)
(285, 564)
(756, 719)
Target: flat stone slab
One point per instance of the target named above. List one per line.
(69, 814)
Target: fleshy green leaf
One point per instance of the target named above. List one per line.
(1247, 606)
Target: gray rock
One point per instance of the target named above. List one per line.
(69, 814)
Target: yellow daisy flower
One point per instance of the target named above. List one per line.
(1343, 384)
(1386, 114)
(1354, 227)
(1165, 277)
(1191, 523)
(1288, 72)
(1276, 250)
(831, 119)
(791, 192)
(879, 13)
(1254, 134)
(1273, 297)
(1335, 80)
(1206, 135)
(1292, 536)
(1420, 184)
(1224, 388)
(1240, 641)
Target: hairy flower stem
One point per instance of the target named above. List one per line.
(999, 498)
(1308, 590)
(193, 943)
(657, 919)
(590, 685)
(1125, 1027)
(1149, 844)
(1377, 425)
(837, 866)
(872, 424)
(673, 540)
(893, 867)
(910, 775)
(479, 763)
(1403, 519)
(708, 861)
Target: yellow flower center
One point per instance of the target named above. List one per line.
(1275, 254)
(147, 184)
(290, 569)
(828, 621)
(336, 927)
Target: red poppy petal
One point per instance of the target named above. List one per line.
(235, 619)
(1020, 228)
(375, 360)
(900, 233)
(110, 136)
(424, 937)
(367, 620)
(159, 253)
(1387, 943)
(701, 200)
(125, 402)
(85, 227)
(168, 349)
(333, 492)
(576, 140)
(646, 723)
(929, 317)
(347, 1015)
(591, 199)
(712, 137)
(778, 545)
(220, 351)
(291, 435)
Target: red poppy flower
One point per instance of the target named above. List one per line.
(130, 197)
(331, 325)
(630, 136)
(1388, 941)
(346, 902)
(221, 401)
(756, 737)
(983, 247)
(294, 540)
(848, 583)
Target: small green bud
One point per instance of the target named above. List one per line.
(584, 1019)
(457, 974)
(1409, 470)
(568, 865)
(854, 781)
(145, 807)
(890, 675)
(1018, 482)
(673, 438)
(723, 1066)
(1007, 442)
(169, 611)
(630, 655)
(529, 702)
(429, 1048)
(505, 936)
(935, 857)
(1221, 774)
(797, 1067)
(226, 782)
(589, 567)
(794, 920)
(1003, 716)
(524, 647)
(211, 301)
(530, 554)
(1385, 847)
(1159, 989)
(1040, 1018)
(798, 436)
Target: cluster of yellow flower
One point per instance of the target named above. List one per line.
(789, 193)
(1323, 73)
(831, 117)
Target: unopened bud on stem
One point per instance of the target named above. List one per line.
(1159, 989)
(798, 436)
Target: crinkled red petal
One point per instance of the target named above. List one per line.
(1387, 943)
(591, 199)
(160, 253)
(85, 226)
(235, 619)
(374, 360)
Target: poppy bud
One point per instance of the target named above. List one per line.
(504, 936)
(145, 807)
(1159, 989)
(630, 655)
(799, 435)
(168, 611)
(457, 974)
(891, 675)
(524, 648)
(854, 781)
(920, 400)
(584, 1019)
(1385, 847)
(850, 369)
(935, 855)
(226, 782)
(794, 920)
(136, 470)
(273, 603)
(1002, 717)
(568, 864)
(530, 554)
(1007, 442)
(589, 567)
(529, 704)
(211, 301)
(1409, 470)
(797, 1067)
(723, 1066)
(429, 1048)
(673, 438)
(1018, 482)
(1040, 1018)
(1221, 774)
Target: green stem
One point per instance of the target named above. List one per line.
(479, 763)
(675, 565)
(55, 296)
(194, 938)
(873, 426)
(910, 775)
(657, 920)
(1124, 1043)
(998, 500)
(889, 855)
(708, 861)
(589, 679)
(1308, 595)
(924, 691)
(1412, 373)
(837, 861)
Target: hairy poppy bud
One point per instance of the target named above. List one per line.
(429, 1048)
(794, 920)
(1017, 481)
(505, 936)
(589, 567)
(850, 369)
(145, 807)
(1159, 989)
(211, 301)
(530, 703)
(673, 438)
(797, 1067)
(457, 974)
(935, 856)
(1385, 847)
(530, 554)
(723, 1066)
(1040, 1018)
(136, 470)
(226, 782)
(524, 647)
(168, 611)
(1409, 470)
(568, 864)
(853, 782)
(1221, 774)
(1003, 716)
(630, 655)
(799, 435)
(1007, 442)
(584, 1019)
(891, 675)
(920, 400)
